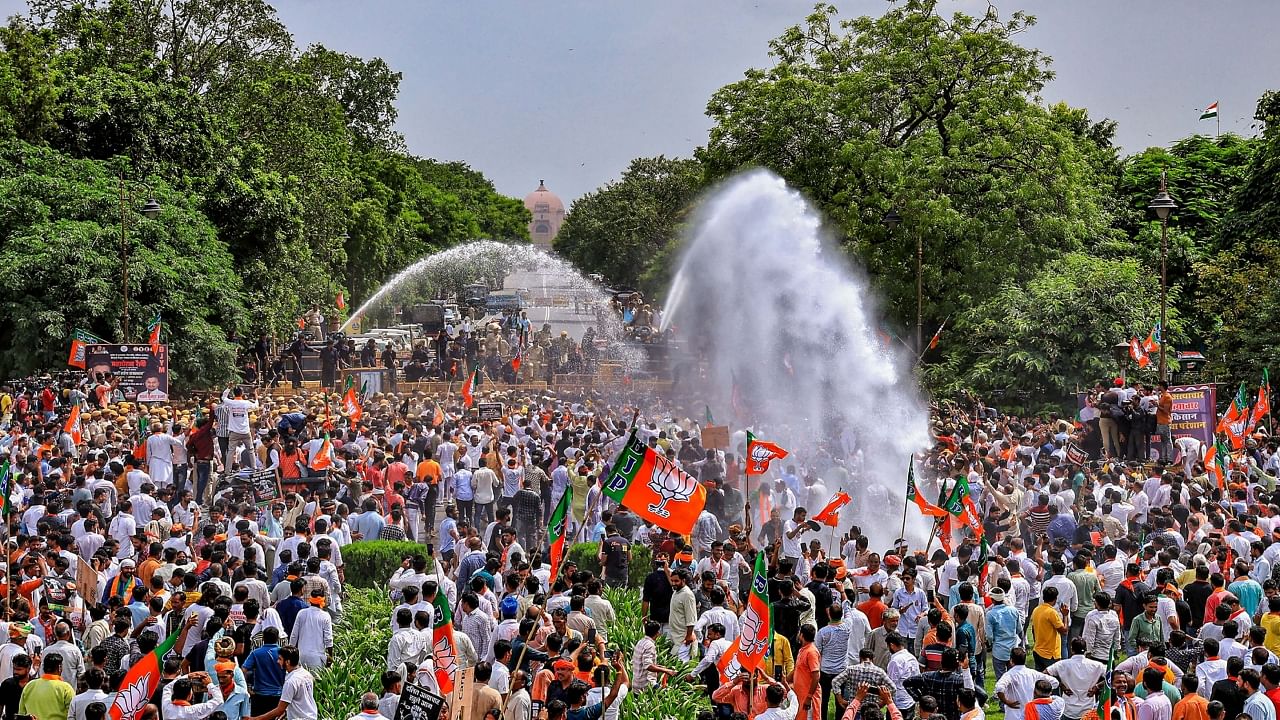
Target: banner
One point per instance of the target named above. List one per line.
(144, 377)
(1194, 412)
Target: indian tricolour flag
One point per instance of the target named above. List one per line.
(1210, 112)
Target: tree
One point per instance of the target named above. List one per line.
(627, 230)
(937, 118)
(1031, 343)
(60, 218)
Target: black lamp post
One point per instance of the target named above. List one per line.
(150, 209)
(1163, 205)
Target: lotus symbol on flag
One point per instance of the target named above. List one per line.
(131, 699)
(446, 662)
(670, 484)
(753, 641)
(761, 456)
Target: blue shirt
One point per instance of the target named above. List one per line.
(368, 524)
(1062, 526)
(1003, 630)
(289, 609)
(268, 676)
(1249, 592)
(447, 541)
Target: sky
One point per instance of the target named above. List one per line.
(569, 91)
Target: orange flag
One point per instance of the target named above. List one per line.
(653, 487)
(73, 426)
(324, 459)
(830, 515)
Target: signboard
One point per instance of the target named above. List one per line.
(143, 376)
(462, 692)
(490, 410)
(715, 437)
(1194, 412)
(265, 486)
(418, 703)
(88, 582)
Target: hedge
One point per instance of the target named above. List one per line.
(586, 555)
(371, 563)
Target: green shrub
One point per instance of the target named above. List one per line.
(586, 555)
(361, 634)
(370, 563)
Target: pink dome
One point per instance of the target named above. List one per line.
(548, 215)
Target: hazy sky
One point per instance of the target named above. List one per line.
(571, 90)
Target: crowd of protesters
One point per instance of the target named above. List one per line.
(1135, 577)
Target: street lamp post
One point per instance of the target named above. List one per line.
(1120, 351)
(891, 220)
(150, 209)
(1163, 205)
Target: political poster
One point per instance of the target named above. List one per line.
(490, 410)
(1194, 412)
(143, 375)
(418, 703)
(265, 485)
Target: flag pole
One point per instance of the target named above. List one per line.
(903, 532)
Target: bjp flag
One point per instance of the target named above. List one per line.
(655, 489)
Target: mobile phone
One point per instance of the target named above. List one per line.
(591, 636)
(777, 672)
(608, 655)
(431, 550)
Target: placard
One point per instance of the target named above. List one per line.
(143, 375)
(265, 485)
(715, 437)
(461, 694)
(418, 703)
(88, 582)
(490, 410)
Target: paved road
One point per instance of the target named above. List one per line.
(551, 300)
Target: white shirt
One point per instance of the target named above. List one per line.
(791, 545)
(902, 665)
(83, 700)
(1018, 685)
(1078, 673)
(195, 711)
(299, 692)
(786, 711)
(597, 695)
(238, 420)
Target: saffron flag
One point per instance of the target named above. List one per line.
(324, 456)
(960, 505)
(1210, 112)
(756, 626)
(1262, 406)
(654, 488)
(154, 334)
(830, 515)
(926, 507)
(444, 651)
(351, 405)
(340, 302)
(706, 409)
(518, 359)
(1152, 343)
(1235, 419)
(79, 339)
(469, 388)
(438, 418)
(933, 342)
(302, 323)
(1215, 465)
(140, 452)
(1106, 700)
(556, 530)
(1137, 353)
(760, 454)
(140, 683)
(72, 427)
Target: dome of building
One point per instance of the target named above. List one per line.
(548, 215)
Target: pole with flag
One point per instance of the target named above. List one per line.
(469, 388)
(556, 531)
(153, 336)
(1212, 112)
(141, 682)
